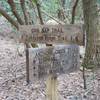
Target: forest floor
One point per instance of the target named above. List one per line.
(13, 77)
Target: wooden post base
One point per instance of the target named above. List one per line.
(51, 88)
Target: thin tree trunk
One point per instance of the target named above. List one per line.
(24, 11)
(63, 3)
(39, 12)
(9, 18)
(73, 11)
(27, 62)
(13, 8)
(90, 19)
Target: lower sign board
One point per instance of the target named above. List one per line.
(67, 34)
(60, 59)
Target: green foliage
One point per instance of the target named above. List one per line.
(98, 1)
(6, 7)
(49, 6)
(34, 45)
(34, 1)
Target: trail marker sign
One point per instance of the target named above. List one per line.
(59, 59)
(67, 34)
(63, 59)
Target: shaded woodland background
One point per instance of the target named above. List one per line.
(19, 12)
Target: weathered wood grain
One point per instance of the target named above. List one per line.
(59, 60)
(67, 34)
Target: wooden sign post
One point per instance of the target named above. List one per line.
(52, 93)
(58, 59)
(51, 61)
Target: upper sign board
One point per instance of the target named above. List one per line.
(68, 34)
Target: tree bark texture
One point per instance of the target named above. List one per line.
(73, 11)
(91, 20)
(24, 11)
(9, 18)
(39, 12)
(14, 11)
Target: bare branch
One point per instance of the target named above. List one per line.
(59, 22)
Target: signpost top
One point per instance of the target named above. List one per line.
(67, 34)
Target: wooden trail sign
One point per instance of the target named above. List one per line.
(51, 61)
(59, 59)
(67, 34)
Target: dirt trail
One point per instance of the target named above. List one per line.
(12, 78)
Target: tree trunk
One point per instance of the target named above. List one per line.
(73, 11)
(9, 18)
(61, 13)
(14, 11)
(39, 12)
(90, 19)
(24, 11)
